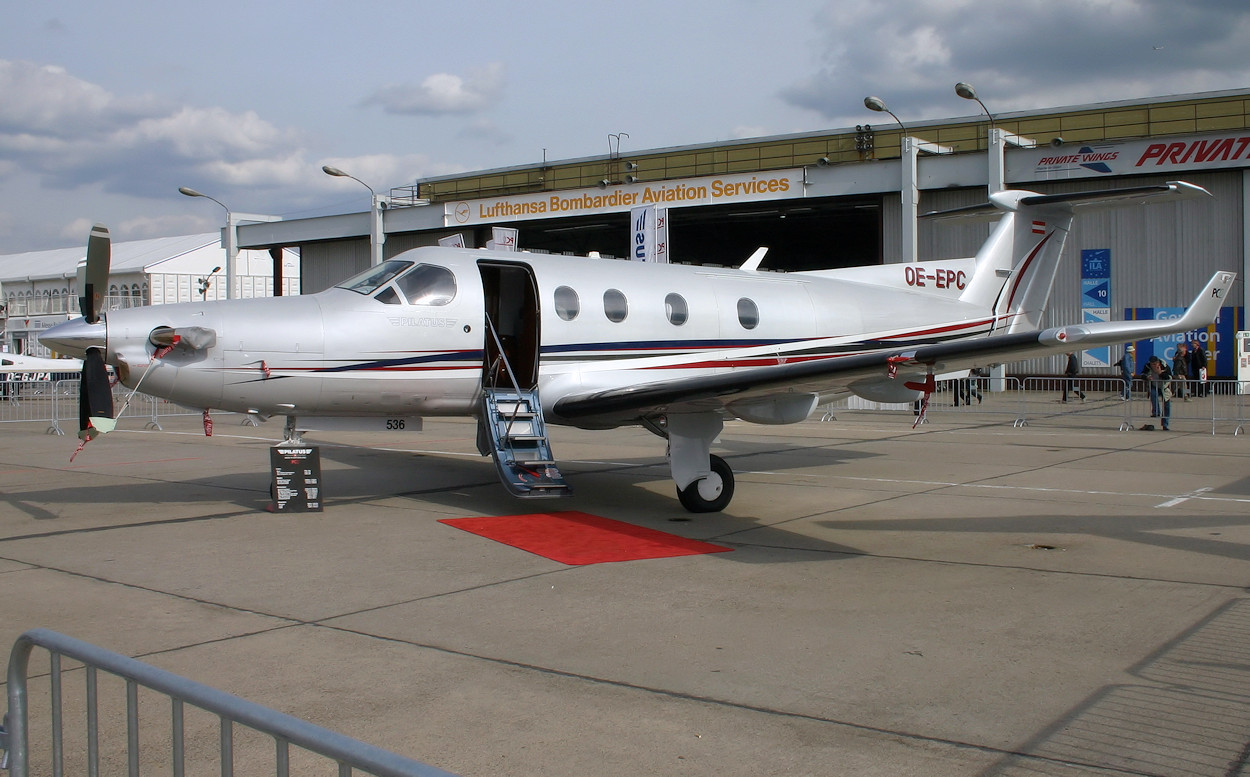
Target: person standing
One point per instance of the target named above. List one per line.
(966, 388)
(1152, 385)
(1126, 370)
(1161, 376)
(1198, 367)
(1072, 369)
(1180, 372)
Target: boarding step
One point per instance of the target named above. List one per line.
(512, 431)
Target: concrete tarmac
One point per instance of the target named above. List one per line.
(962, 599)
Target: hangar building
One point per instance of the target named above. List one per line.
(841, 198)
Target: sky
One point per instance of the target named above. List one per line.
(107, 108)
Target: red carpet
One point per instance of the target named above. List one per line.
(571, 537)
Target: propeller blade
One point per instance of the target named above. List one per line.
(93, 277)
(95, 397)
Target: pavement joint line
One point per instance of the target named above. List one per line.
(1196, 494)
(288, 620)
(741, 706)
(740, 544)
(134, 525)
(157, 591)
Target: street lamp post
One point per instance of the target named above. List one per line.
(996, 181)
(998, 142)
(379, 203)
(910, 148)
(231, 238)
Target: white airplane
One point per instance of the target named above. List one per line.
(16, 366)
(520, 340)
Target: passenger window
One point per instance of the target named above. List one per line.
(567, 303)
(427, 284)
(748, 313)
(615, 306)
(676, 309)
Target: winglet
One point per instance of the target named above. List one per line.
(1209, 301)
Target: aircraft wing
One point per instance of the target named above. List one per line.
(840, 374)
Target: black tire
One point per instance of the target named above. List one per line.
(693, 501)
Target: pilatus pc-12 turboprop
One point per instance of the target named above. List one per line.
(520, 340)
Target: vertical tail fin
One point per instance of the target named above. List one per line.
(1037, 238)
(1016, 265)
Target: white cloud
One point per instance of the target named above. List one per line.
(75, 230)
(380, 171)
(73, 133)
(197, 133)
(1024, 55)
(443, 93)
(142, 227)
(49, 101)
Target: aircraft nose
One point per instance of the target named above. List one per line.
(75, 337)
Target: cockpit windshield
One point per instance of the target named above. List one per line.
(370, 280)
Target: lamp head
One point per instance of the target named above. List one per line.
(334, 171)
(187, 190)
(875, 104)
(965, 91)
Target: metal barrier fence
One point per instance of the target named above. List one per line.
(1195, 405)
(1208, 406)
(284, 730)
(56, 402)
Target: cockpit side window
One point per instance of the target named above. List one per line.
(428, 284)
(370, 280)
(387, 296)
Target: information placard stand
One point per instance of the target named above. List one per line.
(296, 485)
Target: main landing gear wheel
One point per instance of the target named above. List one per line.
(712, 493)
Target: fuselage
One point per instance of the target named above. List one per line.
(19, 367)
(415, 341)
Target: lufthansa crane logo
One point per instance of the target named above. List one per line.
(462, 212)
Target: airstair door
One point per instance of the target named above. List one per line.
(510, 422)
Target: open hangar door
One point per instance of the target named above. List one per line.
(811, 234)
(802, 235)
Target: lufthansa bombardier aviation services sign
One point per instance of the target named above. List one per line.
(712, 190)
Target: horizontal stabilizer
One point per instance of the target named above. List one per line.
(1013, 200)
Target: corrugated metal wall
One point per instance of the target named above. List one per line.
(1161, 254)
(325, 264)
